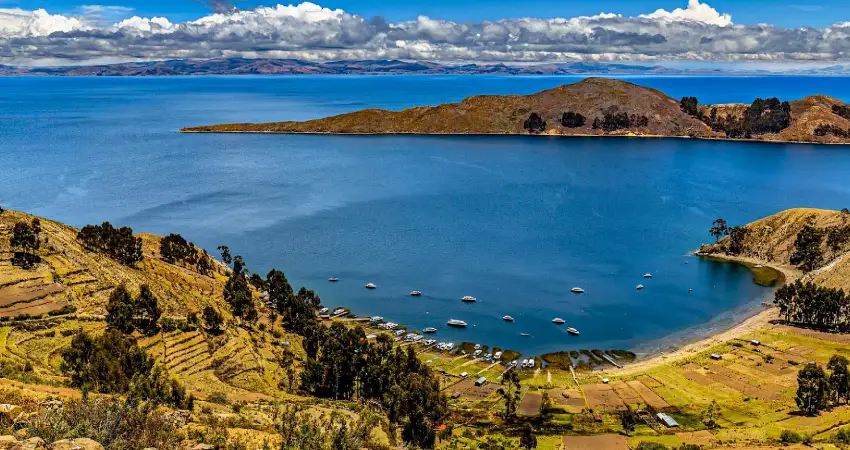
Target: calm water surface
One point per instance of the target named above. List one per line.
(514, 221)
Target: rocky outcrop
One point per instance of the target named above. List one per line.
(36, 443)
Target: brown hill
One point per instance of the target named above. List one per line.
(592, 98)
(492, 114)
(773, 240)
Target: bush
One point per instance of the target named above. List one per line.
(790, 437)
(842, 436)
(113, 423)
(218, 397)
(534, 124)
(648, 445)
(67, 309)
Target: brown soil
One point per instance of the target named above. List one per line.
(602, 397)
(530, 405)
(600, 442)
(648, 396)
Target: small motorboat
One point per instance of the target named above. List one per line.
(559, 321)
(577, 290)
(371, 286)
(333, 279)
(758, 266)
(456, 323)
(429, 330)
(572, 331)
(415, 293)
(524, 334)
(639, 287)
(508, 319)
(469, 299)
(647, 275)
(690, 290)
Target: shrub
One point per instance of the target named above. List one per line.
(218, 397)
(842, 436)
(117, 243)
(534, 124)
(790, 437)
(648, 445)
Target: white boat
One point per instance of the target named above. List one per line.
(639, 287)
(758, 266)
(577, 290)
(415, 293)
(469, 299)
(370, 286)
(508, 319)
(456, 323)
(376, 319)
(559, 321)
(429, 330)
(333, 279)
(572, 330)
(524, 334)
(647, 275)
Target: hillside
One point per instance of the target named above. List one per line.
(238, 363)
(601, 102)
(773, 240)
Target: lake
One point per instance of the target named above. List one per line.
(513, 221)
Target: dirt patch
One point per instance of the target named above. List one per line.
(603, 398)
(26, 292)
(601, 442)
(648, 396)
(650, 382)
(740, 383)
(702, 438)
(530, 405)
(469, 390)
(34, 308)
(626, 393)
(697, 378)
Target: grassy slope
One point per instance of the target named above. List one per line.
(240, 362)
(490, 114)
(772, 239)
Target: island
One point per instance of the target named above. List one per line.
(591, 107)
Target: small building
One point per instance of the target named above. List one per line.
(716, 357)
(755, 342)
(668, 421)
(456, 395)
(464, 374)
(481, 381)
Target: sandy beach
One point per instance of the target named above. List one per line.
(750, 324)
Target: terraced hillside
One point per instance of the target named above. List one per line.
(69, 290)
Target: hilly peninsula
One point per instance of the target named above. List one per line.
(591, 107)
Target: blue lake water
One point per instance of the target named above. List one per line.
(514, 221)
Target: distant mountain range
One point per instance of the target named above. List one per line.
(239, 66)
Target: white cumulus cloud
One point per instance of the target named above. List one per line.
(310, 31)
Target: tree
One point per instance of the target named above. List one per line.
(807, 249)
(689, 106)
(718, 229)
(839, 379)
(628, 420)
(545, 405)
(534, 124)
(120, 310)
(712, 413)
(225, 254)
(212, 319)
(845, 211)
(117, 243)
(148, 310)
(287, 363)
(510, 392)
(24, 243)
(572, 120)
(237, 293)
(737, 235)
(528, 441)
(812, 389)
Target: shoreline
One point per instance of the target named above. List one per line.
(577, 135)
(750, 323)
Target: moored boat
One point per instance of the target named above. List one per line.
(577, 290)
(508, 319)
(647, 275)
(572, 330)
(639, 287)
(469, 299)
(415, 293)
(333, 279)
(429, 330)
(456, 323)
(370, 286)
(559, 321)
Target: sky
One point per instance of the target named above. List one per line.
(671, 32)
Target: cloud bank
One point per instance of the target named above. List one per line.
(309, 31)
